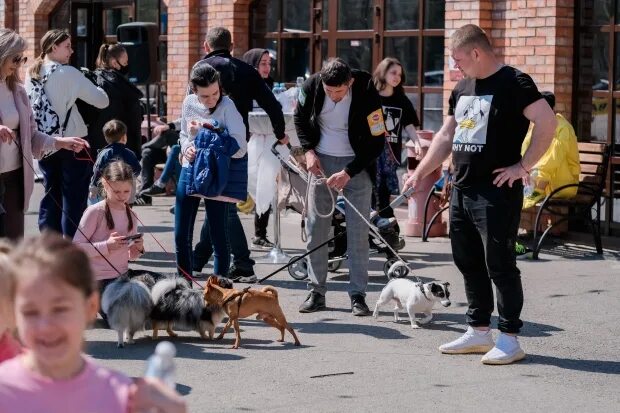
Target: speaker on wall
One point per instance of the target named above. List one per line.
(141, 40)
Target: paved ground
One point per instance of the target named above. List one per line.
(345, 363)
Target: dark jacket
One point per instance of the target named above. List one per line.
(124, 106)
(209, 171)
(365, 113)
(113, 152)
(243, 84)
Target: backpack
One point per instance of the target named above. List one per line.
(89, 113)
(46, 118)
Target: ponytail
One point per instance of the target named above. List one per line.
(108, 52)
(48, 41)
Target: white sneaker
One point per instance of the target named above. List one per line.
(473, 341)
(507, 350)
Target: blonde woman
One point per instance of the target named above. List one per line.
(19, 139)
(66, 175)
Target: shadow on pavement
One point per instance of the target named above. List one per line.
(323, 326)
(187, 347)
(592, 366)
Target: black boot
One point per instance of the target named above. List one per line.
(314, 302)
(358, 306)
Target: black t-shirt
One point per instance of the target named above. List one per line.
(490, 123)
(398, 112)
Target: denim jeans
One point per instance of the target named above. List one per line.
(173, 166)
(484, 221)
(359, 191)
(186, 208)
(66, 181)
(238, 244)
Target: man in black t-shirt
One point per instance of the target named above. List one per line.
(488, 117)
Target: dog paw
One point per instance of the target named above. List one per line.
(415, 326)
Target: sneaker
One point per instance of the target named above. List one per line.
(506, 351)
(143, 201)
(314, 302)
(262, 242)
(239, 274)
(473, 341)
(154, 190)
(521, 249)
(359, 307)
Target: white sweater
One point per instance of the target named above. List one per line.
(63, 88)
(225, 113)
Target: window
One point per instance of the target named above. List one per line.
(597, 85)
(303, 34)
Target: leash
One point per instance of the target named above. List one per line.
(28, 162)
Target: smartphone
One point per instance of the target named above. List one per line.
(132, 237)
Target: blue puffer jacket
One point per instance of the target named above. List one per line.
(210, 172)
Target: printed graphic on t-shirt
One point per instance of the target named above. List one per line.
(472, 118)
(392, 122)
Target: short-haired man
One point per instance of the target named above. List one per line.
(488, 117)
(339, 121)
(243, 84)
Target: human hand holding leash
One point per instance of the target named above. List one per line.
(6, 134)
(71, 144)
(313, 164)
(338, 180)
(411, 182)
(285, 140)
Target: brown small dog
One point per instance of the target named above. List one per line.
(240, 304)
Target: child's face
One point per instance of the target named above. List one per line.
(117, 192)
(394, 75)
(51, 317)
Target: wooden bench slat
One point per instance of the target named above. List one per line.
(591, 147)
(591, 158)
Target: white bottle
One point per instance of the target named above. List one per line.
(161, 364)
(529, 189)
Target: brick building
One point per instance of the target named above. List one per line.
(571, 47)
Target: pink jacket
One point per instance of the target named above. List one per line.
(34, 143)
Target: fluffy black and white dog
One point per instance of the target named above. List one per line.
(127, 304)
(176, 303)
(415, 298)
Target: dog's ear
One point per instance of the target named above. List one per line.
(435, 288)
(211, 280)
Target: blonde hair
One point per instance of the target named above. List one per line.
(468, 37)
(48, 41)
(11, 44)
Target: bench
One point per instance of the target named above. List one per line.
(594, 162)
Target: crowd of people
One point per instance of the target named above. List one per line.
(350, 124)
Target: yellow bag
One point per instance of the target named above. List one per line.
(247, 206)
(558, 166)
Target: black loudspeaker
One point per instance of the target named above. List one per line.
(141, 40)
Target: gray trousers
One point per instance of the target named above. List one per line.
(358, 191)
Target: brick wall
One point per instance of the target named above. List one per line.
(186, 37)
(535, 36)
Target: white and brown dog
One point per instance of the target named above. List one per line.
(415, 298)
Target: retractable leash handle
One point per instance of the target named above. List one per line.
(402, 198)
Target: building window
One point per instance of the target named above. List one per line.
(597, 85)
(301, 35)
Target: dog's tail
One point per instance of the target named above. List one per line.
(269, 289)
(131, 293)
(164, 286)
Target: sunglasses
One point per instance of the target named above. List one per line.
(20, 60)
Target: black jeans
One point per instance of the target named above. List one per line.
(484, 221)
(150, 158)
(12, 204)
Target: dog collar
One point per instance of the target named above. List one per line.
(423, 292)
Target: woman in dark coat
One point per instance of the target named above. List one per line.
(112, 70)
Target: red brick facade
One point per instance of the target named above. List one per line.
(535, 36)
